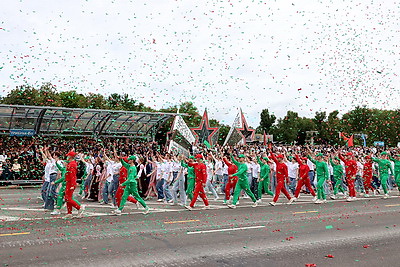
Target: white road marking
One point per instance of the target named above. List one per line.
(226, 230)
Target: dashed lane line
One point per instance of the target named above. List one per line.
(226, 230)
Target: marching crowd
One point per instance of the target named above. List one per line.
(112, 174)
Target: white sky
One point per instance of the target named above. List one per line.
(304, 56)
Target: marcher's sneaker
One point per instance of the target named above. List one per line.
(333, 197)
(188, 207)
(232, 206)
(366, 195)
(170, 201)
(385, 196)
(81, 210)
(314, 199)
(137, 205)
(116, 212)
(146, 210)
(318, 201)
(237, 203)
(68, 216)
(206, 207)
(160, 200)
(216, 198)
(225, 202)
(55, 212)
(361, 194)
(172, 204)
(254, 204)
(293, 199)
(324, 201)
(349, 199)
(272, 203)
(112, 206)
(259, 201)
(102, 203)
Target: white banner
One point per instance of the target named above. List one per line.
(237, 123)
(177, 149)
(184, 130)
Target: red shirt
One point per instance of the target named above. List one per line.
(367, 172)
(232, 168)
(70, 176)
(281, 169)
(123, 174)
(200, 171)
(351, 167)
(303, 168)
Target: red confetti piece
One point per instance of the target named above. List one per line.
(329, 256)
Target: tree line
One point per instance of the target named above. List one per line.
(377, 124)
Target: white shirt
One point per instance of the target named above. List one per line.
(292, 169)
(50, 168)
(3, 158)
(209, 167)
(116, 167)
(89, 168)
(255, 170)
(109, 171)
(166, 171)
(310, 165)
(219, 169)
(175, 166)
(249, 167)
(225, 169)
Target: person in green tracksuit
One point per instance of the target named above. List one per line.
(190, 178)
(384, 165)
(263, 182)
(322, 176)
(242, 183)
(396, 170)
(131, 186)
(337, 176)
(61, 192)
(84, 176)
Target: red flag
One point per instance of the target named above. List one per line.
(265, 139)
(350, 141)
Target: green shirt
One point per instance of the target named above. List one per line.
(242, 170)
(264, 170)
(321, 168)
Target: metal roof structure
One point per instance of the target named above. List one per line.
(57, 121)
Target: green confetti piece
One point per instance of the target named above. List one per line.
(329, 227)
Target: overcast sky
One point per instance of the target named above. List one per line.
(304, 56)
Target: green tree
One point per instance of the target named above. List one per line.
(267, 120)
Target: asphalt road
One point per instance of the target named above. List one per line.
(365, 232)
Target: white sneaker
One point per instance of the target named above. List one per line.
(206, 207)
(81, 210)
(290, 201)
(188, 207)
(146, 210)
(314, 199)
(254, 204)
(318, 201)
(324, 201)
(55, 212)
(117, 212)
(170, 201)
(160, 200)
(332, 196)
(366, 195)
(272, 203)
(172, 204)
(385, 196)
(237, 203)
(137, 205)
(232, 206)
(112, 206)
(349, 199)
(216, 198)
(259, 201)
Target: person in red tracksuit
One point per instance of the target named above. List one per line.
(351, 171)
(200, 171)
(70, 179)
(281, 176)
(232, 168)
(367, 175)
(304, 179)
(123, 174)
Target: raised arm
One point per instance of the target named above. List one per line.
(235, 161)
(124, 163)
